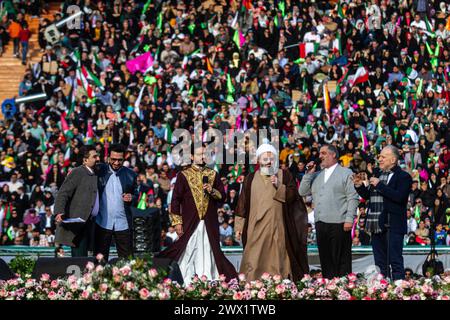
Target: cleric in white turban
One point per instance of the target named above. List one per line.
(272, 220)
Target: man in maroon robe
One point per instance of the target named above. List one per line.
(193, 212)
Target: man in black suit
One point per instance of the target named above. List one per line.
(78, 198)
(388, 193)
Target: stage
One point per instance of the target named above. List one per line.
(414, 256)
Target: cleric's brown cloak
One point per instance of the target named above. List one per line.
(295, 218)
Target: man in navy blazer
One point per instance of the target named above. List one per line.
(388, 193)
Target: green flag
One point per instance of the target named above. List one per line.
(147, 4)
(43, 146)
(159, 21)
(142, 204)
(191, 28)
(10, 233)
(282, 7)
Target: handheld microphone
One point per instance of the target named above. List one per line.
(205, 181)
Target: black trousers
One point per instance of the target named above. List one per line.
(380, 252)
(84, 239)
(335, 249)
(103, 239)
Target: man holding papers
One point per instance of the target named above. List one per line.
(78, 198)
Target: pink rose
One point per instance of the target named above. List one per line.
(241, 277)
(238, 296)
(45, 277)
(126, 270)
(222, 277)
(153, 273)
(224, 285)
(115, 271)
(90, 266)
(204, 278)
(261, 295)
(163, 296)
(204, 293)
(104, 287)
(85, 294)
(52, 295)
(351, 277)
(54, 284)
(99, 268)
(99, 257)
(95, 296)
(277, 278)
(265, 276)
(144, 293)
(279, 289)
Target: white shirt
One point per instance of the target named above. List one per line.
(329, 171)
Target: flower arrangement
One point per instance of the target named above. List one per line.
(137, 280)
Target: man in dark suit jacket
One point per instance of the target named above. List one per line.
(117, 187)
(388, 193)
(78, 198)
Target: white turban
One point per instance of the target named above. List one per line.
(266, 148)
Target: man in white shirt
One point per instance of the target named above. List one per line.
(335, 207)
(180, 78)
(418, 23)
(14, 184)
(258, 52)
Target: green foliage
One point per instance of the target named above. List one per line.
(22, 265)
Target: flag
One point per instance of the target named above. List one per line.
(417, 213)
(340, 11)
(83, 82)
(379, 128)
(360, 76)
(365, 142)
(89, 134)
(131, 135)
(67, 157)
(308, 47)
(137, 104)
(96, 60)
(140, 63)
(65, 127)
(337, 44)
(155, 93)
(43, 146)
(282, 7)
(247, 4)
(8, 211)
(191, 28)
(209, 66)
(159, 21)
(91, 77)
(235, 19)
(73, 101)
(236, 173)
(326, 98)
(230, 89)
(429, 25)
(238, 38)
(146, 5)
(10, 233)
(142, 204)
(168, 134)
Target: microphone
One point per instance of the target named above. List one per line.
(205, 181)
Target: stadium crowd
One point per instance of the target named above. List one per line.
(355, 74)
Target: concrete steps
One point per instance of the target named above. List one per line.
(11, 68)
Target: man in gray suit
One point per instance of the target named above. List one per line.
(78, 198)
(335, 207)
